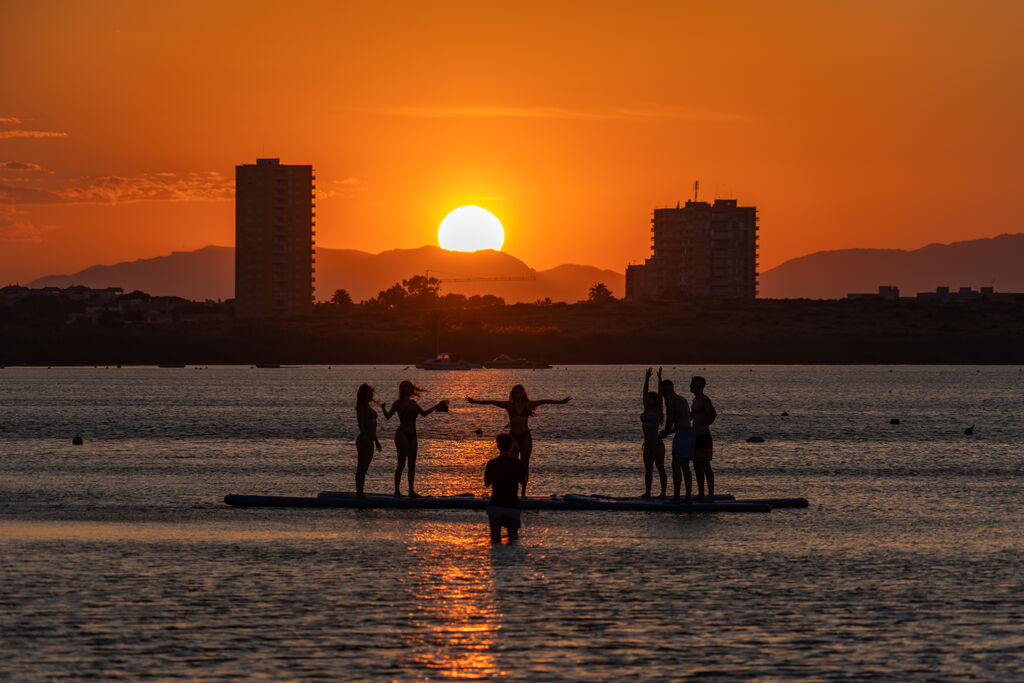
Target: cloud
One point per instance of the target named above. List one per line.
(595, 113)
(205, 186)
(344, 187)
(15, 227)
(9, 119)
(19, 166)
(4, 134)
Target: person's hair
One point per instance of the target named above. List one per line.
(364, 395)
(651, 400)
(409, 390)
(512, 398)
(504, 442)
(699, 381)
(666, 385)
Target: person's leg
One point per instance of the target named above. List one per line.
(513, 524)
(648, 471)
(659, 461)
(710, 476)
(698, 468)
(525, 449)
(413, 448)
(677, 475)
(364, 454)
(401, 450)
(495, 523)
(688, 479)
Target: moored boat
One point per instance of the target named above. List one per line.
(444, 361)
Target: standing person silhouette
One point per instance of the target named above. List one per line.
(504, 474)
(677, 419)
(703, 413)
(653, 448)
(405, 436)
(520, 409)
(366, 418)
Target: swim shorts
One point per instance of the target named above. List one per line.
(507, 517)
(703, 448)
(683, 443)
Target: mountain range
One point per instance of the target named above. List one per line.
(994, 261)
(208, 273)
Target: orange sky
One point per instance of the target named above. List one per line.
(853, 124)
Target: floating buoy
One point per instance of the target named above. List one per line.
(894, 421)
(479, 432)
(785, 414)
(969, 431)
(755, 439)
(77, 440)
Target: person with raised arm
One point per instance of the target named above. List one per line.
(405, 436)
(654, 448)
(520, 409)
(366, 418)
(677, 420)
(703, 413)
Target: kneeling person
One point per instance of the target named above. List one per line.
(504, 474)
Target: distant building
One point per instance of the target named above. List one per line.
(274, 257)
(702, 250)
(887, 292)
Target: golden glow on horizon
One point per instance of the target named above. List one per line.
(469, 228)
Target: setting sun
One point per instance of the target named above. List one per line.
(469, 228)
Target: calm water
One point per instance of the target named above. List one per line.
(119, 560)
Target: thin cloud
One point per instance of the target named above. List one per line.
(4, 134)
(206, 186)
(16, 227)
(9, 119)
(596, 113)
(19, 166)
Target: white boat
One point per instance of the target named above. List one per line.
(444, 361)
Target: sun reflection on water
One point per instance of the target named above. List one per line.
(453, 617)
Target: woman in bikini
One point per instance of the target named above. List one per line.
(366, 418)
(405, 436)
(654, 448)
(520, 409)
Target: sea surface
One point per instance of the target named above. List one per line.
(119, 560)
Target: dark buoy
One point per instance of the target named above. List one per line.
(755, 439)
(894, 421)
(479, 432)
(77, 440)
(969, 431)
(785, 414)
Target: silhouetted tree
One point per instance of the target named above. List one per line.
(341, 297)
(421, 286)
(600, 293)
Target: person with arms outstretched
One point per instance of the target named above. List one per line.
(504, 474)
(366, 418)
(520, 409)
(703, 413)
(653, 448)
(405, 436)
(677, 420)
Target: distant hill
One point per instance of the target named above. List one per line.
(833, 274)
(208, 273)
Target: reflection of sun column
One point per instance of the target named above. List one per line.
(453, 614)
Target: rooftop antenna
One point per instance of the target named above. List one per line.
(696, 186)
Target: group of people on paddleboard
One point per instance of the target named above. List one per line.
(664, 412)
(519, 406)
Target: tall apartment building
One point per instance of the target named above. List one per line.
(274, 256)
(700, 251)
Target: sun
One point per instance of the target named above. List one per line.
(469, 228)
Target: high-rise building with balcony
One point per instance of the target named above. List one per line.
(274, 231)
(702, 250)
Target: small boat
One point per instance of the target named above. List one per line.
(509, 363)
(444, 361)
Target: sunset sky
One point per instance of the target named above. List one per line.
(848, 124)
